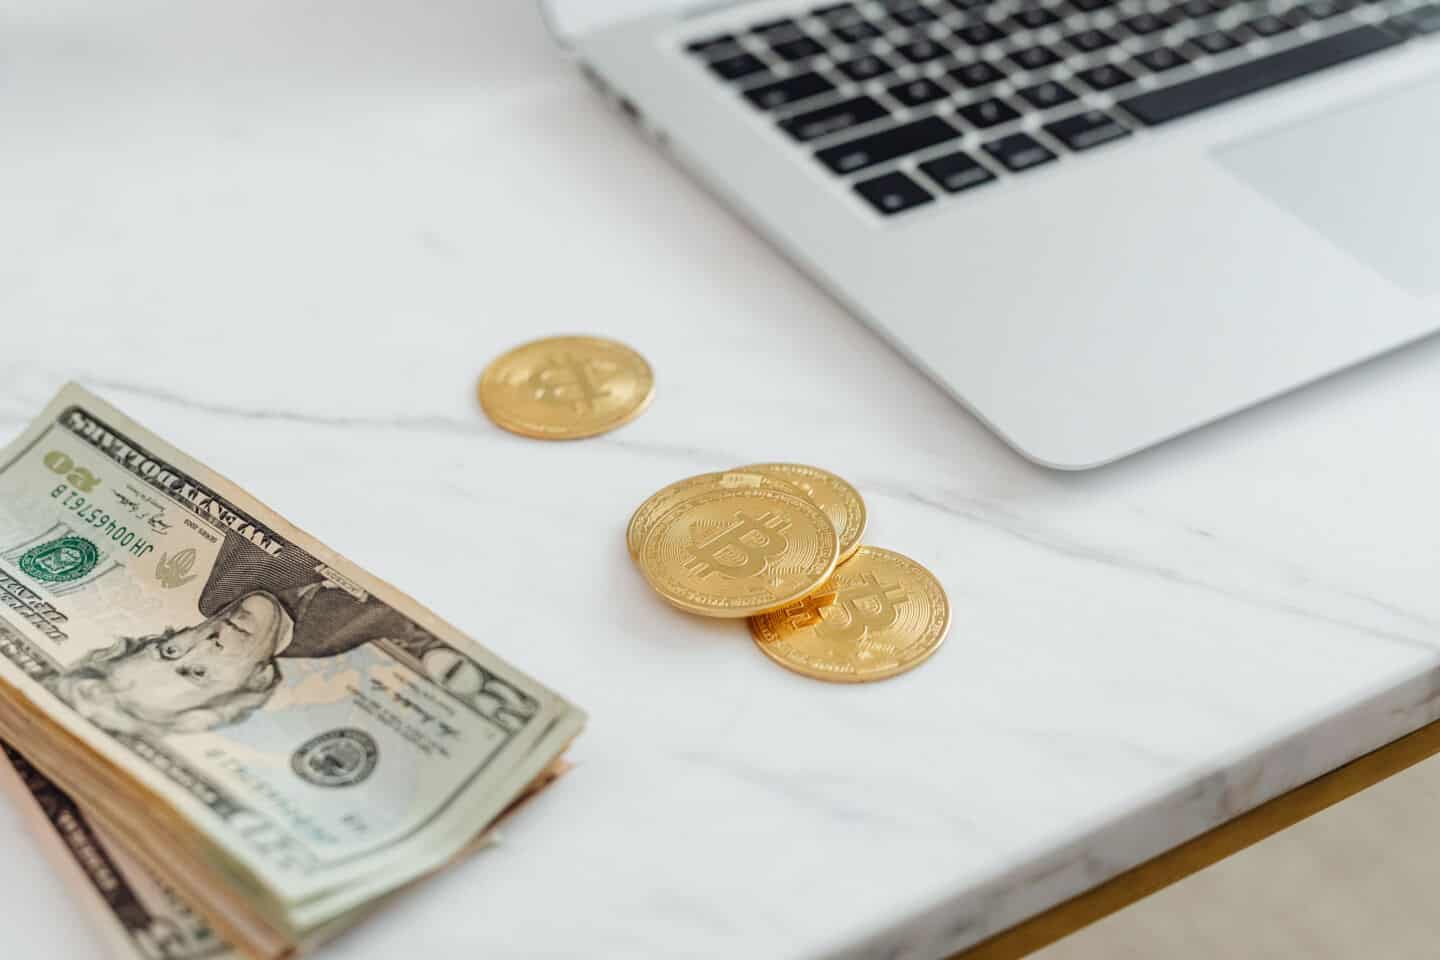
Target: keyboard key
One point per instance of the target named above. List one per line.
(865, 68)
(783, 35)
(887, 145)
(1195, 9)
(1088, 41)
(1033, 18)
(956, 171)
(917, 93)
(1419, 22)
(921, 50)
(1105, 77)
(857, 32)
(1090, 6)
(980, 33)
(914, 16)
(1183, 99)
(1019, 151)
(782, 93)
(801, 48)
(893, 193)
(1296, 16)
(737, 67)
(972, 76)
(814, 124)
(1144, 24)
(1217, 41)
(988, 113)
(1162, 59)
(1325, 9)
(777, 29)
(837, 13)
(1086, 130)
(723, 43)
(1049, 94)
(1267, 25)
(1033, 58)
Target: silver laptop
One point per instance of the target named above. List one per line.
(1097, 223)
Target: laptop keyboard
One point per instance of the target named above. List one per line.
(910, 100)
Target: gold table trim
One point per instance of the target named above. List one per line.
(1211, 847)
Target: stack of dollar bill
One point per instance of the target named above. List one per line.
(273, 736)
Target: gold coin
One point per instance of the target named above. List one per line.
(880, 615)
(565, 388)
(840, 501)
(738, 552)
(654, 506)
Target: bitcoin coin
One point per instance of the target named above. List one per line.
(566, 388)
(880, 615)
(645, 515)
(738, 552)
(840, 501)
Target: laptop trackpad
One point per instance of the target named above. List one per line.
(1366, 177)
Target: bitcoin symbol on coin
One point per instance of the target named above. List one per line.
(570, 381)
(734, 551)
(868, 608)
(810, 611)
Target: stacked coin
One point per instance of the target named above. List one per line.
(780, 544)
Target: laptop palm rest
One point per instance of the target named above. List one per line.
(1366, 177)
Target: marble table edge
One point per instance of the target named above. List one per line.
(953, 926)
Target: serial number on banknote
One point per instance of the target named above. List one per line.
(83, 507)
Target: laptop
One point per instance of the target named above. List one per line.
(1098, 224)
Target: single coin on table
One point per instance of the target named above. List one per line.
(737, 552)
(840, 501)
(566, 388)
(657, 503)
(880, 615)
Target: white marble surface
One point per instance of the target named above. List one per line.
(288, 235)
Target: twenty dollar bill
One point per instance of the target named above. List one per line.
(290, 736)
(141, 917)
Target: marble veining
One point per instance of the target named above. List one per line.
(288, 238)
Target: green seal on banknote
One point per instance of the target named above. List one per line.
(60, 561)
